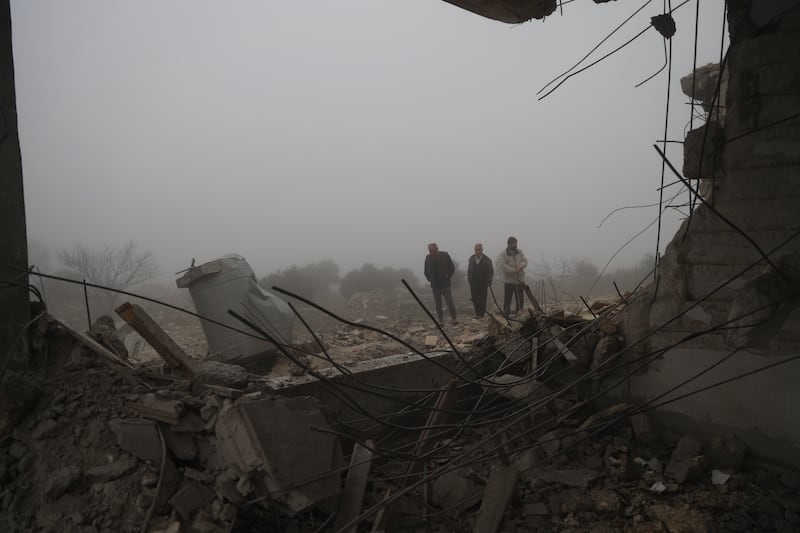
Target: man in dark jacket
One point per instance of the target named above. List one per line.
(439, 268)
(479, 275)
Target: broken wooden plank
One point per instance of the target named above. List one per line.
(529, 293)
(91, 344)
(500, 488)
(534, 354)
(560, 346)
(354, 487)
(162, 343)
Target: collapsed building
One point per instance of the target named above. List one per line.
(665, 410)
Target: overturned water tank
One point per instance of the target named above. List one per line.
(229, 283)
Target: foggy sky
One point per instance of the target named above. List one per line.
(357, 130)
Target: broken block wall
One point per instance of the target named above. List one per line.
(715, 297)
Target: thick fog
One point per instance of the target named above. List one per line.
(356, 130)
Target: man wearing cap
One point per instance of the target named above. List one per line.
(439, 268)
(512, 263)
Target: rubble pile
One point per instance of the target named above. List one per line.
(514, 438)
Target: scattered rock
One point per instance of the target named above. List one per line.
(45, 428)
(219, 373)
(109, 472)
(431, 341)
(455, 489)
(687, 469)
(683, 519)
(138, 437)
(606, 501)
(550, 443)
(182, 445)
(61, 481)
(190, 498)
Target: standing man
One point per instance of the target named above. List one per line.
(439, 268)
(512, 263)
(479, 274)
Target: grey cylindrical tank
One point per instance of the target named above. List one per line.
(230, 283)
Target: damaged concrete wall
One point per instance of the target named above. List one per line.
(712, 278)
(13, 244)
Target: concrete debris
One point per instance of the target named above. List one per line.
(61, 481)
(457, 489)
(104, 331)
(109, 472)
(161, 409)
(137, 437)
(244, 453)
(192, 497)
(719, 478)
(431, 341)
(44, 428)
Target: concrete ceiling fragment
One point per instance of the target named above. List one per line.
(509, 11)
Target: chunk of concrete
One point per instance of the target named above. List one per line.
(681, 519)
(275, 436)
(219, 373)
(431, 341)
(157, 408)
(138, 437)
(182, 445)
(110, 472)
(61, 481)
(45, 428)
(190, 498)
(456, 490)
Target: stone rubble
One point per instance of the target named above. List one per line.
(99, 447)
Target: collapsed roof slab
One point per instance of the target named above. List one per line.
(380, 387)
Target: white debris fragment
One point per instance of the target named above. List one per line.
(719, 478)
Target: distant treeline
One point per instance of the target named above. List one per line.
(563, 279)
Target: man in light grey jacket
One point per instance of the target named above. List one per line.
(512, 263)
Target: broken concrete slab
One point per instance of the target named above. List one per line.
(354, 487)
(431, 341)
(138, 437)
(275, 436)
(181, 444)
(190, 498)
(500, 488)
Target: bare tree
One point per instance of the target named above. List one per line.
(115, 267)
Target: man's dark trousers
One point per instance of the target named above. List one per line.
(438, 292)
(511, 290)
